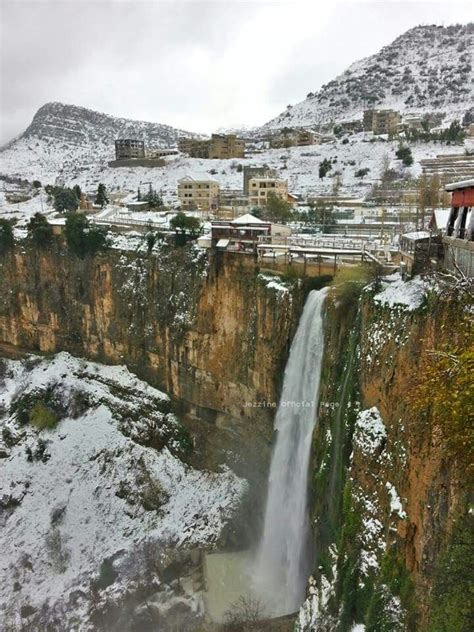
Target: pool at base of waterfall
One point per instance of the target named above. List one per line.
(232, 591)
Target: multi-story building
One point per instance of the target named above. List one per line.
(126, 148)
(218, 146)
(201, 195)
(226, 146)
(194, 147)
(368, 120)
(381, 121)
(385, 121)
(256, 172)
(259, 188)
(294, 137)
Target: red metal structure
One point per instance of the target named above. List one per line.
(461, 218)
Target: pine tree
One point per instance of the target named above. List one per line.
(101, 197)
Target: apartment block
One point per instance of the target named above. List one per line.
(382, 121)
(202, 195)
(294, 138)
(220, 146)
(261, 187)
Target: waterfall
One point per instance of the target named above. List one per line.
(282, 563)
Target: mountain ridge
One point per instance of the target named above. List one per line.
(76, 124)
(425, 69)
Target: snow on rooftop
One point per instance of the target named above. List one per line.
(464, 184)
(247, 219)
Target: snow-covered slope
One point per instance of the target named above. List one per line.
(87, 506)
(427, 69)
(64, 137)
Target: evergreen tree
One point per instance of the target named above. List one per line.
(153, 198)
(324, 167)
(7, 240)
(83, 238)
(77, 191)
(39, 230)
(64, 200)
(185, 223)
(404, 154)
(101, 197)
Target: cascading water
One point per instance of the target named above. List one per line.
(281, 569)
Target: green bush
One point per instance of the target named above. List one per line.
(42, 417)
(404, 154)
(43, 409)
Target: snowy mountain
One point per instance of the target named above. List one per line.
(64, 139)
(427, 69)
(79, 126)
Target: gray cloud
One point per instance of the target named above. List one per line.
(195, 65)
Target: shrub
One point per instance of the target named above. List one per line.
(107, 574)
(42, 417)
(404, 154)
(38, 408)
(324, 167)
(362, 172)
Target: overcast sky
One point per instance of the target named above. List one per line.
(195, 65)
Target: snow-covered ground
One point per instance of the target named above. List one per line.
(51, 163)
(91, 491)
(406, 295)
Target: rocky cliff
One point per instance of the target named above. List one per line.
(213, 334)
(390, 474)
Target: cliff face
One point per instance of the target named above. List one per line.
(213, 334)
(390, 492)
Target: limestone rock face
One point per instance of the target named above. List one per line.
(214, 335)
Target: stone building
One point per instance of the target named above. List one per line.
(219, 146)
(381, 121)
(256, 172)
(260, 187)
(201, 195)
(126, 148)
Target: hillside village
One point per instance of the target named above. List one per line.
(320, 193)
